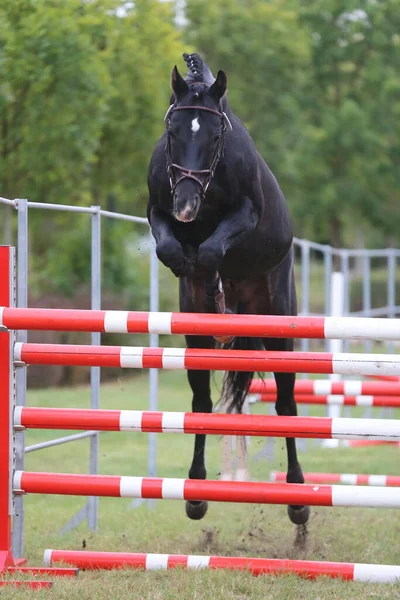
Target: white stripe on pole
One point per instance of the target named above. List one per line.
(47, 557)
(387, 430)
(337, 399)
(17, 416)
(131, 357)
(173, 422)
(130, 487)
(322, 387)
(17, 351)
(364, 400)
(1, 316)
(377, 480)
(348, 478)
(173, 358)
(173, 489)
(366, 364)
(17, 480)
(130, 420)
(160, 322)
(376, 573)
(384, 497)
(116, 321)
(197, 562)
(352, 388)
(156, 561)
(361, 328)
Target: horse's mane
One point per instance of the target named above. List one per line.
(199, 71)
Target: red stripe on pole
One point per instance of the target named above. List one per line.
(210, 424)
(303, 568)
(382, 401)
(258, 493)
(152, 358)
(71, 484)
(68, 354)
(138, 322)
(152, 422)
(98, 560)
(152, 487)
(86, 560)
(248, 325)
(280, 476)
(54, 319)
(67, 418)
(392, 480)
(194, 489)
(368, 388)
(258, 360)
(360, 443)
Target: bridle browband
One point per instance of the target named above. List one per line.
(177, 173)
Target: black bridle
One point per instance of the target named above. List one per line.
(177, 173)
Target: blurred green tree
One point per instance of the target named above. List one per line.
(140, 53)
(350, 158)
(54, 94)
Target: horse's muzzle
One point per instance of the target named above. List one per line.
(185, 212)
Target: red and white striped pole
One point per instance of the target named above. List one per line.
(342, 478)
(206, 359)
(307, 569)
(200, 324)
(198, 490)
(387, 430)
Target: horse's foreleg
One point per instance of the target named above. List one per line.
(169, 250)
(200, 383)
(233, 228)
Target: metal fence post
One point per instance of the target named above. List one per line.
(93, 501)
(305, 310)
(328, 265)
(337, 302)
(153, 373)
(344, 257)
(21, 336)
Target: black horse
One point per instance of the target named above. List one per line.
(222, 226)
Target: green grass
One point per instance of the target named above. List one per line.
(335, 534)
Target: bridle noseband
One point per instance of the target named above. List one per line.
(177, 173)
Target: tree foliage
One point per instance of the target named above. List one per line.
(84, 86)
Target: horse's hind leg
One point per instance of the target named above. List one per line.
(200, 383)
(286, 405)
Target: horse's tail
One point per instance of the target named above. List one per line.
(236, 383)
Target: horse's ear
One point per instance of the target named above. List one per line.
(178, 84)
(219, 87)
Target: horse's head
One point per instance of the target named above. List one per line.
(196, 126)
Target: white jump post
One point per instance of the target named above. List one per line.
(337, 309)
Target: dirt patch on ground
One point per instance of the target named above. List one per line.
(257, 538)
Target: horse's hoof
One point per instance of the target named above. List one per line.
(196, 511)
(299, 516)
